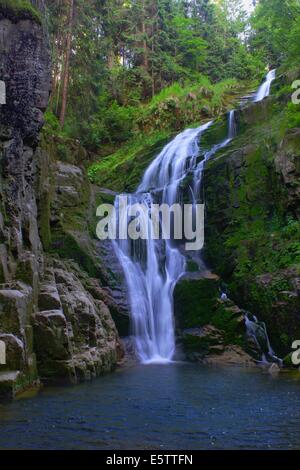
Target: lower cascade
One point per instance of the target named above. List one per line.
(153, 267)
(257, 331)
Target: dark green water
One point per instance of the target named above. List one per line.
(180, 406)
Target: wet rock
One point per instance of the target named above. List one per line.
(51, 336)
(274, 369)
(287, 165)
(45, 306)
(15, 352)
(233, 355)
(80, 341)
(200, 342)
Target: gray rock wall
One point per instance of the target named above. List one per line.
(52, 327)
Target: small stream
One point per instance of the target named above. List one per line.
(177, 406)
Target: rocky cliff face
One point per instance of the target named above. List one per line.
(53, 318)
(252, 201)
(251, 192)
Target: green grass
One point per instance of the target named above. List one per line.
(19, 10)
(176, 90)
(122, 170)
(172, 110)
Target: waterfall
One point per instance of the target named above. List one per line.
(257, 331)
(265, 88)
(153, 267)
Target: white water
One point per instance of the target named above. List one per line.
(153, 267)
(258, 332)
(265, 88)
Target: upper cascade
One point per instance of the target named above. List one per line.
(264, 90)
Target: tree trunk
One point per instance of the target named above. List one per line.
(145, 45)
(67, 63)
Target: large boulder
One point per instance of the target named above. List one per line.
(78, 340)
(207, 321)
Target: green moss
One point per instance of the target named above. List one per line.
(17, 10)
(66, 245)
(195, 302)
(252, 230)
(199, 344)
(217, 132)
(122, 171)
(174, 109)
(192, 266)
(226, 320)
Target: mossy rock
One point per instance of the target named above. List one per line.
(192, 266)
(252, 218)
(197, 304)
(15, 383)
(216, 133)
(195, 301)
(123, 170)
(204, 340)
(68, 247)
(17, 10)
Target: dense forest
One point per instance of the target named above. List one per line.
(113, 60)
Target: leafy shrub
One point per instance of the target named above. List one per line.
(293, 115)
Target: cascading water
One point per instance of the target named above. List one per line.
(265, 88)
(152, 267)
(257, 331)
(151, 276)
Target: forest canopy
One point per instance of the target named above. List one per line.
(113, 56)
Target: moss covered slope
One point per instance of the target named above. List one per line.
(17, 10)
(253, 230)
(173, 110)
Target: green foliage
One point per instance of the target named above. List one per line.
(51, 123)
(125, 54)
(171, 110)
(190, 46)
(275, 26)
(129, 160)
(294, 42)
(253, 228)
(19, 9)
(293, 115)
